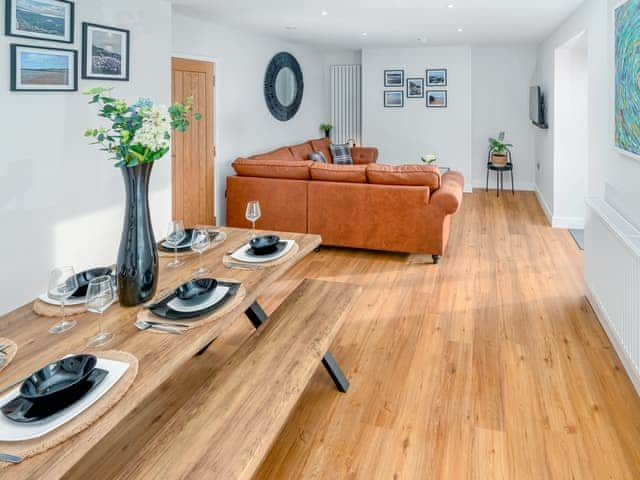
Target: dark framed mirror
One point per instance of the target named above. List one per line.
(283, 86)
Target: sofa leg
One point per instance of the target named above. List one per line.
(436, 259)
(317, 249)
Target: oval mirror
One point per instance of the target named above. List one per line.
(286, 86)
(283, 86)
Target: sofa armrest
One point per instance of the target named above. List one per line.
(449, 196)
(363, 155)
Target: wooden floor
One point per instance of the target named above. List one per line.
(489, 365)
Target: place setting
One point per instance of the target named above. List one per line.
(8, 350)
(179, 241)
(262, 251)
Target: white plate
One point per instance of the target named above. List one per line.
(242, 256)
(69, 302)
(187, 306)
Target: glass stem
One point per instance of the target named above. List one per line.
(99, 324)
(200, 257)
(175, 254)
(62, 305)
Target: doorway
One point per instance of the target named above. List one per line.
(193, 153)
(571, 148)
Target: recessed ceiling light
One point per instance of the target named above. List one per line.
(451, 5)
(324, 13)
(461, 29)
(423, 39)
(290, 27)
(364, 34)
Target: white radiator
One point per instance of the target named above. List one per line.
(612, 274)
(346, 103)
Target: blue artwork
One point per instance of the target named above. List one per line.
(627, 57)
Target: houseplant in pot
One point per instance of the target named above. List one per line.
(326, 129)
(498, 150)
(137, 136)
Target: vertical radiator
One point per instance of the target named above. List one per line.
(612, 274)
(346, 103)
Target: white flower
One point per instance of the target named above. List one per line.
(156, 127)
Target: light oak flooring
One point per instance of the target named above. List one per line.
(490, 365)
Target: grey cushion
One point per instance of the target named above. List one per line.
(317, 157)
(341, 154)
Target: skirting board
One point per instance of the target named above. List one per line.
(519, 186)
(603, 318)
(576, 223)
(544, 205)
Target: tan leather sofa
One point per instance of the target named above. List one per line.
(380, 207)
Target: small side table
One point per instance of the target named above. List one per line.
(500, 169)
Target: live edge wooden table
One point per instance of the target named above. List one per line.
(160, 356)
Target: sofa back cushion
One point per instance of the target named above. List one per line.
(322, 145)
(327, 172)
(301, 152)
(416, 175)
(292, 170)
(281, 155)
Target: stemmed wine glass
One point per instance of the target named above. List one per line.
(253, 213)
(175, 235)
(200, 241)
(100, 296)
(62, 284)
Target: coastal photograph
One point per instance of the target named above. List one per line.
(46, 19)
(105, 52)
(48, 69)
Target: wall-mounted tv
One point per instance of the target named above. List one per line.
(537, 109)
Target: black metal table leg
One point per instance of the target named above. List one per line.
(487, 189)
(498, 183)
(258, 316)
(513, 188)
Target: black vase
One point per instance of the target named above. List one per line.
(327, 133)
(137, 256)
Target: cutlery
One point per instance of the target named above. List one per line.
(235, 249)
(242, 266)
(4, 346)
(5, 457)
(144, 325)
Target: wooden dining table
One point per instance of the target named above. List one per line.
(160, 356)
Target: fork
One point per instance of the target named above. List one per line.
(242, 266)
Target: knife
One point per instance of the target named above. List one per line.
(5, 457)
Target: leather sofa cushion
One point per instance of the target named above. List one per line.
(281, 154)
(272, 168)
(416, 175)
(322, 145)
(327, 172)
(301, 152)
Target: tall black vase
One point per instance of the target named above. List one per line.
(137, 256)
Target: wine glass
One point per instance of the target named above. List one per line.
(100, 296)
(253, 213)
(62, 284)
(175, 235)
(200, 241)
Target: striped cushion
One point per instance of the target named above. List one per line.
(341, 154)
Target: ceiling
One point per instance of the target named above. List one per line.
(390, 23)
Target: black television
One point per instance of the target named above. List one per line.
(537, 108)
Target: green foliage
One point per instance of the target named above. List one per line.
(497, 145)
(326, 127)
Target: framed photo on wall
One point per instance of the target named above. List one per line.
(43, 69)
(105, 52)
(51, 20)
(393, 99)
(394, 78)
(437, 99)
(415, 87)
(437, 77)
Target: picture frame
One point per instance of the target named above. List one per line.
(437, 77)
(51, 20)
(43, 69)
(436, 99)
(105, 52)
(393, 99)
(415, 87)
(394, 78)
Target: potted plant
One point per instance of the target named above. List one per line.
(326, 129)
(498, 150)
(429, 159)
(137, 136)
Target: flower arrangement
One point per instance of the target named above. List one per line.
(430, 159)
(139, 133)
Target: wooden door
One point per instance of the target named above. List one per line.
(193, 154)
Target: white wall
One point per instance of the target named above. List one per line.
(61, 201)
(244, 125)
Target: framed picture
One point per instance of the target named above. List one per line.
(393, 99)
(105, 52)
(51, 20)
(415, 87)
(437, 99)
(437, 77)
(394, 78)
(43, 69)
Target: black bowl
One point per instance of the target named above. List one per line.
(264, 244)
(196, 288)
(59, 380)
(85, 277)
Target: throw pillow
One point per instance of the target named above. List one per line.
(317, 157)
(341, 154)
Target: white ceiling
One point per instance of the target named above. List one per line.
(390, 23)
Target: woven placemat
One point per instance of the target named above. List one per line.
(45, 309)
(229, 261)
(146, 315)
(29, 448)
(222, 236)
(9, 352)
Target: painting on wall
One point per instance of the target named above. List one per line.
(40, 69)
(437, 99)
(105, 52)
(394, 99)
(415, 88)
(627, 76)
(42, 19)
(394, 78)
(437, 77)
